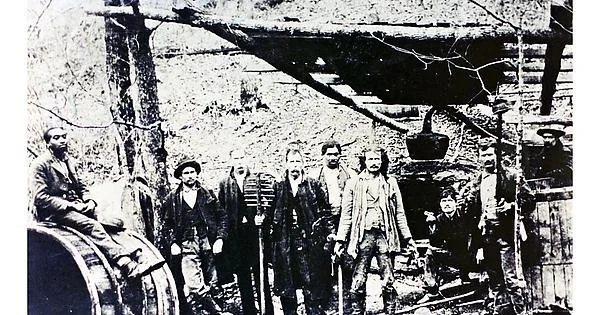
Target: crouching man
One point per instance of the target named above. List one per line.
(449, 234)
(194, 229)
(373, 224)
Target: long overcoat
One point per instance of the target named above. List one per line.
(314, 206)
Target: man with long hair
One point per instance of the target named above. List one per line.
(299, 259)
(373, 224)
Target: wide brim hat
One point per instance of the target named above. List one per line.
(184, 164)
(554, 129)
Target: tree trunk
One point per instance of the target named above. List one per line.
(153, 153)
(119, 83)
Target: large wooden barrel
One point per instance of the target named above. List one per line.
(67, 274)
(548, 256)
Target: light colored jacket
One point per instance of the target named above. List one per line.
(352, 219)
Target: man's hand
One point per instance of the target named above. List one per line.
(259, 219)
(338, 249)
(91, 205)
(503, 206)
(479, 256)
(429, 217)
(78, 206)
(218, 246)
(175, 249)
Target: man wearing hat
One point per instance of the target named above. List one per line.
(555, 160)
(61, 197)
(195, 226)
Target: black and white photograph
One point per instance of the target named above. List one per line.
(312, 157)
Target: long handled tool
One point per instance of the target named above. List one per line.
(259, 193)
(340, 289)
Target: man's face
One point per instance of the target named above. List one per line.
(448, 205)
(189, 176)
(487, 158)
(58, 140)
(332, 157)
(239, 161)
(549, 139)
(373, 161)
(294, 164)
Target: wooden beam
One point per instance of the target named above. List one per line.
(536, 77)
(533, 51)
(293, 29)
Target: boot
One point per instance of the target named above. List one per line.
(358, 303)
(133, 270)
(389, 300)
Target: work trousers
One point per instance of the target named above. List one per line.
(301, 277)
(436, 259)
(502, 272)
(373, 244)
(247, 269)
(93, 230)
(198, 270)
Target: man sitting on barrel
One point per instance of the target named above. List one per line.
(60, 196)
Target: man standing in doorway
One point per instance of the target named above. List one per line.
(242, 244)
(555, 160)
(299, 259)
(195, 227)
(373, 224)
(334, 176)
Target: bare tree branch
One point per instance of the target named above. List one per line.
(114, 122)
(31, 28)
(494, 15)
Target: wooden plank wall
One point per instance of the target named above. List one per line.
(549, 278)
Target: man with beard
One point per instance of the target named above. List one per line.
(494, 206)
(334, 176)
(555, 160)
(60, 196)
(242, 244)
(299, 259)
(194, 229)
(449, 235)
(373, 224)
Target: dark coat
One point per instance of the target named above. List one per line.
(313, 203)
(232, 201)
(507, 191)
(173, 226)
(453, 233)
(52, 190)
(555, 162)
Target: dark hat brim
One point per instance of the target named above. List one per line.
(182, 165)
(555, 132)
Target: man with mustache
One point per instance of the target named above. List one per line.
(299, 259)
(555, 160)
(60, 196)
(373, 224)
(242, 244)
(495, 208)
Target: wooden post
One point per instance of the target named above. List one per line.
(153, 153)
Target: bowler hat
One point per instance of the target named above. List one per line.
(184, 164)
(556, 130)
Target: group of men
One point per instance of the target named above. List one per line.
(316, 220)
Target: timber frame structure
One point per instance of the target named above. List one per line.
(382, 71)
(386, 71)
